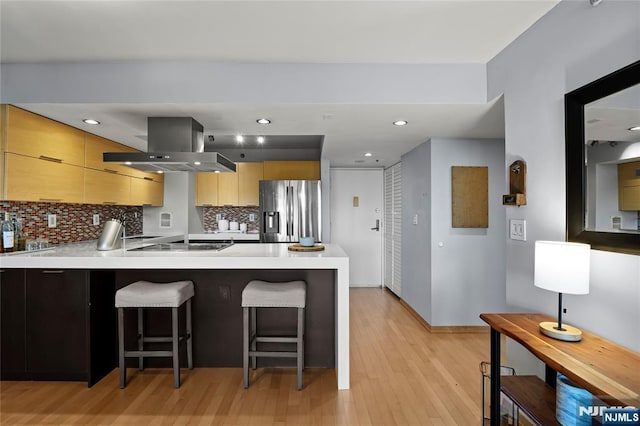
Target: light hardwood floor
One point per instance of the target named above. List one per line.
(400, 375)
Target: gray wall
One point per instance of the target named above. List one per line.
(177, 199)
(416, 239)
(451, 275)
(468, 271)
(570, 46)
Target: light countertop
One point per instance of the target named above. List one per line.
(226, 236)
(84, 255)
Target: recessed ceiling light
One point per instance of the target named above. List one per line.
(239, 138)
(263, 121)
(197, 163)
(260, 139)
(160, 172)
(368, 154)
(217, 171)
(91, 121)
(128, 163)
(634, 128)
(400, 123)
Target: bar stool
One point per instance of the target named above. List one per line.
(262, 294)
(148, 295)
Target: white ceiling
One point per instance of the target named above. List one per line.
(383, 32)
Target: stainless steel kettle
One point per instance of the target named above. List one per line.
(111, 237)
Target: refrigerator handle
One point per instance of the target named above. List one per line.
(290, 212)
(287, 213)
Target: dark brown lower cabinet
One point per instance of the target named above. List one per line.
(12, 324)
(56, 317)
(66, 328)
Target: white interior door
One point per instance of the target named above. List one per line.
(356, 207)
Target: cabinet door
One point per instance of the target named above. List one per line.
(145, 192)
(33, 179)
(12, 325)
(249, 176)
(36, 136)
(629, 186)
(106, 188)
(56, 318)
(298, 170)
(207, 189)
(95, 146)
(228, 189)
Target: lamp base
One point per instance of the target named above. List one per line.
(569, 334)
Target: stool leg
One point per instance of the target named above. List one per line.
(245, 347)
(253, 334)
(123, 369)
(189, 337)
(140, 338)
(300, 345)
(175, 349)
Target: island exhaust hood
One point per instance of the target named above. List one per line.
(175, 144)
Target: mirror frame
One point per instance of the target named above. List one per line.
(574, 103)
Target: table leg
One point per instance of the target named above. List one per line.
(495, 378)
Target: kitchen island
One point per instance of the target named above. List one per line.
(218, 276)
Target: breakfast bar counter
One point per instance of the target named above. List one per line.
(218, 276)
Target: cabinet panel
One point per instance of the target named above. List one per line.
(629, 186)
(56, 325)
(302, 170)
(228, 189)
(106, 188)
(249, 176)
(146, 192)
(207, 189)
(630, 199)
(95, 146)
(12, 325)
(33, 179)
(33, 135)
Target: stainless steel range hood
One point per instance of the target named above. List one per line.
(175, 144)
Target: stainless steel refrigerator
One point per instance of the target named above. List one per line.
(289, 210)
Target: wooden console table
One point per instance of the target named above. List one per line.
(607, 370)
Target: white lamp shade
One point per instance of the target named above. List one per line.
(562, 267)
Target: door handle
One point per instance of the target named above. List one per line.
(377, 227)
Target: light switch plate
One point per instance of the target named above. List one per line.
(518, 229)
(415, 219)
(52, 221)
(96, 219)
(252, 217)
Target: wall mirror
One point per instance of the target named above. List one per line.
(603, 162)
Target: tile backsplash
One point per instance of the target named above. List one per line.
(239, 214)
(74, 221)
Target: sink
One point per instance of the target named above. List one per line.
(181, 247)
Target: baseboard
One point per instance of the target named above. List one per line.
(443, 329)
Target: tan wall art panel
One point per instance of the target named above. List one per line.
(470, 197)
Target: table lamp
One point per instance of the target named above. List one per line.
(562, 267)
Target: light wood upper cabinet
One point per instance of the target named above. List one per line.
(207, 189)
(629, 186)
(95, 146)
(228, 189)
(299, 170)
(34, 179)
(145, 192)
(249, 176)
(106, 188)
(36, 136)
